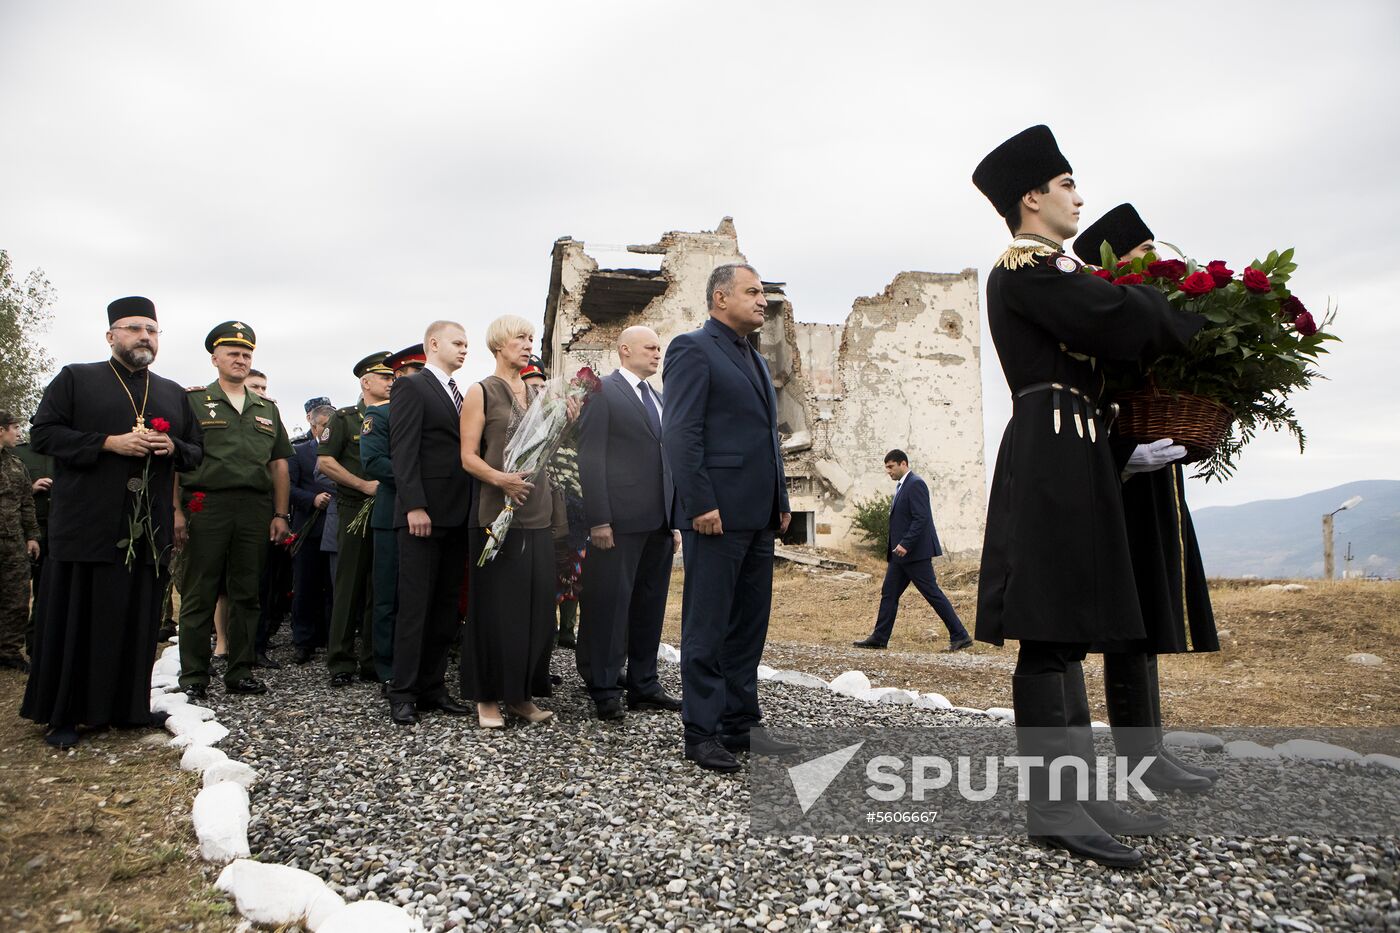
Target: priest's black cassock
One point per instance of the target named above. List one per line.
(96, 618)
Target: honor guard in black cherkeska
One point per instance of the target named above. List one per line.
(245, 485)
(1056, 569)
(339, 458)
(1171, 580)
(378, 466)
(99, 600)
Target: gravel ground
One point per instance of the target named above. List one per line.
(581, 825)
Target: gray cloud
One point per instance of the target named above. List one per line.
(341, 173)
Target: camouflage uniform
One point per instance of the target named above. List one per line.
(18, 525)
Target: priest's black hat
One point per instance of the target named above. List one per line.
(1025, 161)
(135, 306)
(1122, 228)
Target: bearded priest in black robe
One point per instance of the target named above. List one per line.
(117, 433)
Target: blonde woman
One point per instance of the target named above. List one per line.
(510, 616)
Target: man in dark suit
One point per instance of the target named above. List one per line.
(430, 515)
(910, 549)
(627, 498)
(721, 440)
(312, 494)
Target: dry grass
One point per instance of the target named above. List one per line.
(100, 839)
(1281, 663)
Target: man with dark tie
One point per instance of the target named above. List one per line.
(430, 516)
(627, 498)
(721, 439)
(909, 550)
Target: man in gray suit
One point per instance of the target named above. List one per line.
(627, 498)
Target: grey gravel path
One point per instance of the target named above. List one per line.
(581, 825)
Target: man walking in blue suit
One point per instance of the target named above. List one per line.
(720, 434)
(910, 549)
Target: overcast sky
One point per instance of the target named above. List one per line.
(339, 174)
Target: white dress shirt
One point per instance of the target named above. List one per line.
(442, 377)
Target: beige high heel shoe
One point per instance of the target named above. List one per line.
(530, 712)
(488, 715)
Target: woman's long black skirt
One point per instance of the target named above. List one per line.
(510, 619)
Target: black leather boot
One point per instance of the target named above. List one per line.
(1210, 774)
(1041, 730)
(1116, 819)
(1132, 714)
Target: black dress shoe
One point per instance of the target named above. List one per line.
(62, 738)
(711, 755)
(158, 718)
(248, 686)
(343, 679)
(370, 677)
(403, 713)
(758, 742)
(262, 660)
(655, 701)
(868, 643)
(1205, 771)
(303, 654)
(1119, 821)
(610, 709)
(445, 704)
(958, 644)
(196, 691)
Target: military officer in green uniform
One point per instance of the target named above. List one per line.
(338, 457)
(244, 481)
(374, 452)
(40, 467)
(19, 544)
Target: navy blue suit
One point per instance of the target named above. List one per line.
(720, 434)
(911, 526)
(311, 567)
(626, 484)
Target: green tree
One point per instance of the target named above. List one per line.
(24, 315)
(872, 521)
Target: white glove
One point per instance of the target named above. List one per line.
(1154, 456)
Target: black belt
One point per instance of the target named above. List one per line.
(1076, 398)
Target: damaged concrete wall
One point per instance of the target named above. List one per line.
(902, 371)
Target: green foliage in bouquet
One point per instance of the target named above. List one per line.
(1260, 343)
(872, 521)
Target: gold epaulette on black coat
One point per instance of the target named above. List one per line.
(1019, 255)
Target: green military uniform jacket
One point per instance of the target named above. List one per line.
(40, 466)
(374, 453)
(343, 444)
(237, 446)
(16, 499)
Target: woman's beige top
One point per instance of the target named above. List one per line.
(502, 415)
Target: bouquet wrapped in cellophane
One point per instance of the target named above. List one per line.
(534, 441)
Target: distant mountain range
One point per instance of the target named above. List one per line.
(1283, 537)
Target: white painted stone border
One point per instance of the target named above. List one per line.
(277, 895)
(856, 684)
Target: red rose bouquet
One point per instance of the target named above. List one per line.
(1259, 345)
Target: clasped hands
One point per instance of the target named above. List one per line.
(139, 444)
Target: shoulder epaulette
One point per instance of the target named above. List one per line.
(1020, 254)
(195, 388)
(348, 409)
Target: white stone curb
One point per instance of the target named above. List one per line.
(277, 895)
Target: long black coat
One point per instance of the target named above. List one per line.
(1055, 560)
(91, 503)
(1171, 580)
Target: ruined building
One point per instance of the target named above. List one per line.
(902, 371)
